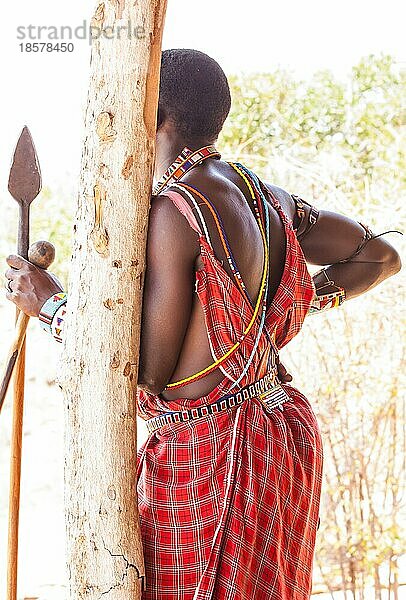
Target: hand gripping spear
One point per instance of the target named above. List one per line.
(24, 185)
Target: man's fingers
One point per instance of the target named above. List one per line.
(10, 274)
(16, 262)
(12, 296)
(282, 370)
(283, 374)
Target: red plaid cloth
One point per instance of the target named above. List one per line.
(229, 503)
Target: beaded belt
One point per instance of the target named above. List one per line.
(268, 389)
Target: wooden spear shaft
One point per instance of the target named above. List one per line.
(17, 349)
(24, 185)
(15, 474)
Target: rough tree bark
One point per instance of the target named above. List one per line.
(100, 359)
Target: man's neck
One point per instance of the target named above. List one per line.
(168, 151)
(166, 156)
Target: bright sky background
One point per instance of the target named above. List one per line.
(47, 91)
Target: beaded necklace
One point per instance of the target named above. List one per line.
(183, 163)
(259, 309)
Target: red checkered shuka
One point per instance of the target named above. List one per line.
(229, 503)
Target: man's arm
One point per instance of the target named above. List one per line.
(334, 240)
(172, 250)
(327, 238)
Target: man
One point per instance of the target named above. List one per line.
(230, 476)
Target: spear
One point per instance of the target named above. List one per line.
(24, 185)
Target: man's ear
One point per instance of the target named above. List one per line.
(160, 117)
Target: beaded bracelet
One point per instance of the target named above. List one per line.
(58, 323)
(324, 302)
(327, 301)
(48, 314)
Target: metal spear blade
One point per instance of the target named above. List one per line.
(24, 185)
(25, 182)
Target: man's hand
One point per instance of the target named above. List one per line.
(29, 286)
(283, 375)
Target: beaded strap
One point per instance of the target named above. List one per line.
(223, 237)
(268, 390)
(52, 314)
(262, 215)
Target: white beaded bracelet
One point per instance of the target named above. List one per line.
(52, 313)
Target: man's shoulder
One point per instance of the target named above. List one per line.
(169, 230)
(284, 198)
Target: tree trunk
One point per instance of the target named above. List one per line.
(100, 359)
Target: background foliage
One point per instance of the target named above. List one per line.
(339, 144)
